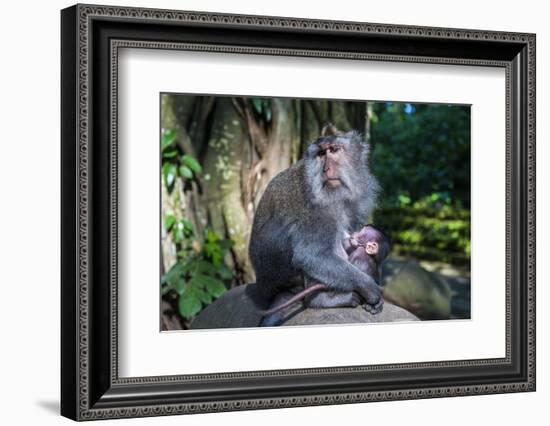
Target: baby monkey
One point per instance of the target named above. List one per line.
(366, 250)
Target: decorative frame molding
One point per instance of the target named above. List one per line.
(91, 37)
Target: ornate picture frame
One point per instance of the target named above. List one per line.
(91, 37)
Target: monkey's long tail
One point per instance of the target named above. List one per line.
(311, 289)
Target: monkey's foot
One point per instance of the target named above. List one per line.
(374, 309)
(271, 320)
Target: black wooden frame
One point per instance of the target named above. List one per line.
(90, 386)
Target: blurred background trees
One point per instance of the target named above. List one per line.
(219, 153)
(421, 156)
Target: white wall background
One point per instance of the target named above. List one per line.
(29, 218)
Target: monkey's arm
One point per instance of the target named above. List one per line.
(349, 243)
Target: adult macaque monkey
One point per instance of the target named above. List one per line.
(305, 214)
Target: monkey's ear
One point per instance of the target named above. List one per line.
(330, 130)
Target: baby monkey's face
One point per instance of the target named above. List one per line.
(371, 247)
(373, 241)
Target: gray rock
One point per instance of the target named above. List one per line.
(419, 291)
(235, 310)
(390, 313)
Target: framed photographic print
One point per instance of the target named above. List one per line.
(263, 212)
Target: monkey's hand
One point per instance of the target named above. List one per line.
(376, 308)
(373, 299)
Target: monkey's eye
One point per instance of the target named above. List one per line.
(334, 149)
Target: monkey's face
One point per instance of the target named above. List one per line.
(330, 155)
(336, 169)
(371, 247)
(334, 162)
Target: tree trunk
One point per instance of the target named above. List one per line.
(222, 166)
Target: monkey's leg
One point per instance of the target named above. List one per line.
(330, 299)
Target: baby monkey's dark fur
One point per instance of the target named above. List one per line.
(304, 215)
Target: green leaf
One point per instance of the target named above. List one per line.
(211, 236)
(186, 172)
(205, 267)
(192, 163)
(169, 173)
(204, 297)
(214, 252)
(187, 226)
(215, 287)
(211, 248)
(200, 280)
(169, 221)
(189, 303)
(217, 258)
(175, 273)
(171, 152)
(170, 278)
(177, 234)
(196, 282)
(168, 138)
(180, 286)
